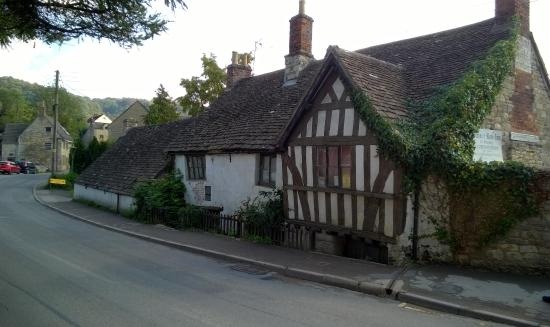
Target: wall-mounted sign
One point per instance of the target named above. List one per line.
(524, 137)
(488, 145)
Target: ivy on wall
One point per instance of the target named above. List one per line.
(438, 139)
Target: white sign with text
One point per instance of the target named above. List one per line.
(488, 145)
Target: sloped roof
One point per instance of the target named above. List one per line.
(138, 155)
(253, 114)
(382, 81)
(438, 59)
(248, 117)
(12, 132)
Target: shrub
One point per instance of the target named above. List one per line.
(265, 210)
(164, 193)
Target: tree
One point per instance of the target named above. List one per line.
(162, 109)
(203, 90)
(83, 156)
(125, 22)
(14, 107)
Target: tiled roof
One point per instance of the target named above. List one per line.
(252, 115)
(12, 132)
(382, 81)
(438, 59)
(248, 117)
(138, 155)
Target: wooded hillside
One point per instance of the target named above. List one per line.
(21, 101)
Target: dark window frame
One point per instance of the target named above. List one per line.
(272, 170)
(325, 166)
(48, 129)
(48, 145)
(207, 193)
(196, 167)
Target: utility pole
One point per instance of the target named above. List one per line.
(55, 117)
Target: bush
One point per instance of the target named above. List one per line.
(265, 210)
(164, 193)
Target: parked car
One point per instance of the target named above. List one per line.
(9, 167)
(27, 167)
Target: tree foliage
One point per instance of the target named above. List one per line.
(124, 22)
(83, 156)
(202, 90)
(162, 109)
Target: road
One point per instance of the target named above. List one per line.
(56, 271)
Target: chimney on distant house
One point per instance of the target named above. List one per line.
(507, 9)
(239, 68)
(299, 54)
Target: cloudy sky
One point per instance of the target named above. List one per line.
(101, 69)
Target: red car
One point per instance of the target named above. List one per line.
(8, 167)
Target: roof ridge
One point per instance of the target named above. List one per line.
(427, 35)
(369, 57)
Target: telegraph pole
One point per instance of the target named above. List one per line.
(55, 117)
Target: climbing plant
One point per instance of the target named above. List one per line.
(438, 139)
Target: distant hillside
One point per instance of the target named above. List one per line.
(21, 101)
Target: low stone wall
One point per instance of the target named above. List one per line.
(525, 248)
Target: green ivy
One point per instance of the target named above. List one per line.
(438, 139)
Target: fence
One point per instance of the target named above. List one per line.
(279, 234)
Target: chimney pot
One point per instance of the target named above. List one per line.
(239, 68)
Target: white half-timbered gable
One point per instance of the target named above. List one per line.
(333, 177)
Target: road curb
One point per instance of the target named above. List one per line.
(439, 305)
(332, 280)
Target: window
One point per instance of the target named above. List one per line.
(208, 193)
(195, 167)
(48, 145)
(334, 166)
(48, 129)
(268, 170)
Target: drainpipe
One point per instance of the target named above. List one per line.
(416, 209)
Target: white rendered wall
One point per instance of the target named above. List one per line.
(103, 198)
(233, 179)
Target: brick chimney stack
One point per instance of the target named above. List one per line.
(239, 68)
(299, 45)
(507, 9)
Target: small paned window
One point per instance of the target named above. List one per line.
(268, 170)
(48, 145)
(195, 167)
(48, 129)
(334, 166)
(208, 193)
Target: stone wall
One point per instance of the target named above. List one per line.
(526, 248)
(522, 110)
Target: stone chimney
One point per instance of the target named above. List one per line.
(299, 45)
(507, 9)
(239, 68)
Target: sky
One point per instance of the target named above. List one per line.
(100, 69)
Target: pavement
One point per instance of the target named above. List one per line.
(498, 297)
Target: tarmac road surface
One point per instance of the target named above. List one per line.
(56, 271)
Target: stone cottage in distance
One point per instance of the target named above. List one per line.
(33, 142)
